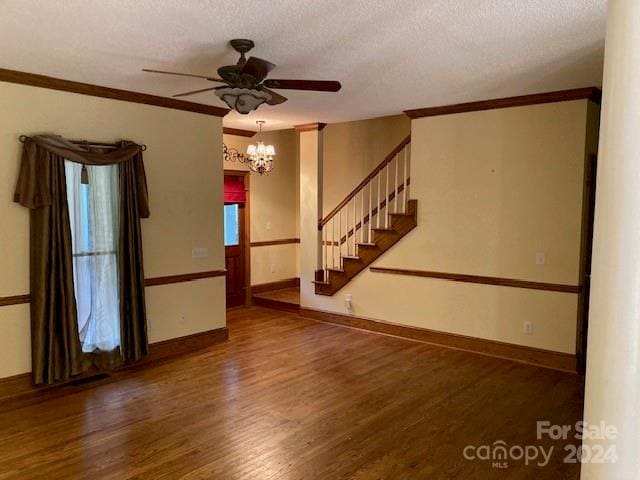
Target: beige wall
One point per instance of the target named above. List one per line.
(353, 149)
(274, 201)
(184, 173)
(494, 188)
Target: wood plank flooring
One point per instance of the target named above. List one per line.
(290, 398)
(286, 295)
(286, 299)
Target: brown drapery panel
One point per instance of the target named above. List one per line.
(56, 351)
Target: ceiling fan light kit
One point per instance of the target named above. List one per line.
(242, 100)
(246, 85)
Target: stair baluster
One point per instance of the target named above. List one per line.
(367, 233)
(386, 197)
(333, 239)
(362, 216)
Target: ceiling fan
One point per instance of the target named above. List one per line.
(246, 86)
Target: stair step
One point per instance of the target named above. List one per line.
(367, 244)
(382, 229)
(337, 270)
(401, 214)
(350, 257)
(320, 282)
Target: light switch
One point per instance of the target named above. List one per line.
(268, 226)
(540, 258)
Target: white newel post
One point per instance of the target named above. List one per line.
(310, 154)
(613, 354)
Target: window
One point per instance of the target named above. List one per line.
(94, 220)
(231, 226)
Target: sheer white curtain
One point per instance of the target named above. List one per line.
(94, 219)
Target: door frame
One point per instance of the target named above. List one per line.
(246, 248)
(586, 248)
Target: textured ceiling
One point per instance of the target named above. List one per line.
(389, 55)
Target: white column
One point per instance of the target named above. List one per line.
(613, 354)
(310, 154)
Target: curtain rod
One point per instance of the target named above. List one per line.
(24, 138)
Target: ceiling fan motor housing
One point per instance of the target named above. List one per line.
(242, 45)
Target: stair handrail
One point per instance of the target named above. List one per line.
(322, 222)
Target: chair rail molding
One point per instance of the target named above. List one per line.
(484, 280)
(148, 282)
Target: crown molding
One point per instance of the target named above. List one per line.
(591, 93)
(43, 81)
(308, 127)
(238, 132)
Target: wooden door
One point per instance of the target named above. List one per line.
(236, 237)
(234, 253)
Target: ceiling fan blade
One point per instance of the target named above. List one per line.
(257, 68)
(194, 92)
(316, 85)
(184, 75)
(276, 98)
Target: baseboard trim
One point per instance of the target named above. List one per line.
(189, 343)
(276, 305)
(19, 391)
(518, 353)
(277, 285)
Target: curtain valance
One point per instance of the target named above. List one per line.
(33, 189)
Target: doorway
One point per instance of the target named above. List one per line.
(236, 237)
(588, 214)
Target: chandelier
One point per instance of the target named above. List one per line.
(260, 155)
(259, 158)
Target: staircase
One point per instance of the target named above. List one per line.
(367, 223)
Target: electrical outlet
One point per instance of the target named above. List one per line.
(273, 268)
(527, 328)
(540, 258)
(199, 252)
(182, 320)
(268, 226)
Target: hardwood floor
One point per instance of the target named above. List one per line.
(286, 295)
(290, 398)
(286, 299)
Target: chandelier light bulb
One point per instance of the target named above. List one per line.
(260, 155)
